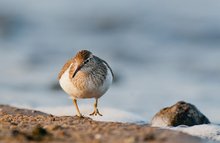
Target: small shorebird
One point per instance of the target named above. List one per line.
(85, 76)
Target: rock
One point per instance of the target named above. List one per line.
(29, 126)
(181, 113)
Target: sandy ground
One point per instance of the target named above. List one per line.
(22, 125)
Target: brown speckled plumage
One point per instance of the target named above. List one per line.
(82, 55)
(85, 76)
(97, 75)
(65, 67)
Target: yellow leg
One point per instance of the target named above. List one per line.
(77, 108)
(96, 111)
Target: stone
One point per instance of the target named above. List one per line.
(181, 113)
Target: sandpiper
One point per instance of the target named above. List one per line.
(85, 76)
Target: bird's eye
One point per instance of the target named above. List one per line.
(86, 61)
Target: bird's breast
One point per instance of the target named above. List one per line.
(86, 84)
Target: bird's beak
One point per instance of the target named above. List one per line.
(77, 69)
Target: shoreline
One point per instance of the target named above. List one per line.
(25, 125)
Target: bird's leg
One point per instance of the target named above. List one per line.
(96, 111)
(77, 108)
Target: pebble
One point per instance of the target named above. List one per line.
(98, 136)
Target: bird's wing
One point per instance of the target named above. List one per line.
(113, 76)
(107, 67)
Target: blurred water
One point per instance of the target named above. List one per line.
(161, 51)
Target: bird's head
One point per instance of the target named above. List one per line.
(82, 59)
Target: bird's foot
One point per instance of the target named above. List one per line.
(80, 116)
(95, 112)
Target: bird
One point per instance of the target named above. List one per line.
(85, 76)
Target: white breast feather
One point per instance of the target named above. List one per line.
(66, 83)
(91, 92)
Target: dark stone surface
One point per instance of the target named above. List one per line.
(181, 113)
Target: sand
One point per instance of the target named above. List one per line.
(23, 125)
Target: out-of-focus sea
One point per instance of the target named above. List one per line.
(161, 52)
